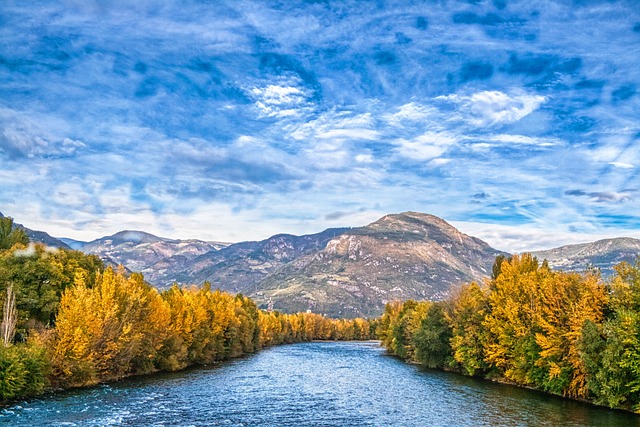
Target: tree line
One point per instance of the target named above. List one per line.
(68, 321)
(570, 334)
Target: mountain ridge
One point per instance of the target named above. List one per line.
(602, 254)
(400, 256)
(341, 272)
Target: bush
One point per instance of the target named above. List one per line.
(24, 371)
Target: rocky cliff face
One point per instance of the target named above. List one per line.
(409, 255)
(603, 254)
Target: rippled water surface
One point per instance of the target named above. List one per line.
(310, 384)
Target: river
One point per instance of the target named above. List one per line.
(310, 384)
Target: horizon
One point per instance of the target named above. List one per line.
(516, 122)
(459, 227)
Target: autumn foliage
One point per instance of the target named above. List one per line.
(571, 334)
(80, 324)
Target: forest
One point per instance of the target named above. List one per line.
(67, 321)
(570, 334)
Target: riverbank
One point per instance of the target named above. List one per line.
(329, 383)
(121, 327)
(566, 334)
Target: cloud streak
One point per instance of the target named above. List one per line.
(267, 118)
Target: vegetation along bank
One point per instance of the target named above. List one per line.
(67, 321)
(569, 334)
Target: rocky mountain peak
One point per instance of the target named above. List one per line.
(415, 225)
(409, 219)
(399, 256)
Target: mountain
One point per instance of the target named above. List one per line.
(40, 236)
(76, 245)
(408, 255)
(242, 266)
(603, 254)
(339, 272)
(159, 259)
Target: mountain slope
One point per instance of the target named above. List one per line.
(603, 254)
(409, 255)
(241, 266)
(158, 258)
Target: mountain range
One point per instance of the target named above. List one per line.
(342, 272)
(602, 255)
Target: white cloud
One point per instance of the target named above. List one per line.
(490, 108)
(364, 158)
(439, 162)
(411, 112)
(524, 140)
(621, 165)
(604, 153)
(276, 95)
(425, 147)
(276, 100)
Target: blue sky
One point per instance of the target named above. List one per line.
(516, 121)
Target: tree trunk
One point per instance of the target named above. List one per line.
(9, 317)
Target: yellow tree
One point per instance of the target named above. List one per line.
(511, 324)
(567, 301)
(469, 307)
(111, 330)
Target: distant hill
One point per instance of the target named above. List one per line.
(159, 259)
(409, 255)
(603, 254)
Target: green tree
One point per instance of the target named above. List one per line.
(10, 235)
(432, 339)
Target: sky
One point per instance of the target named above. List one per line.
(516, 121)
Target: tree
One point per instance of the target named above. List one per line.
(469, 308)
(567, 302)
(10, 235)
(114, 329)
(497, 266)
(9, 317)
(512, 322)
(432, 338)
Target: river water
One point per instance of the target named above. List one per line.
(309, 384)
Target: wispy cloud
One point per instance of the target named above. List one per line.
(604, 196)
(492, 108)
(524, 140)
(288, 117)
(425, 147)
